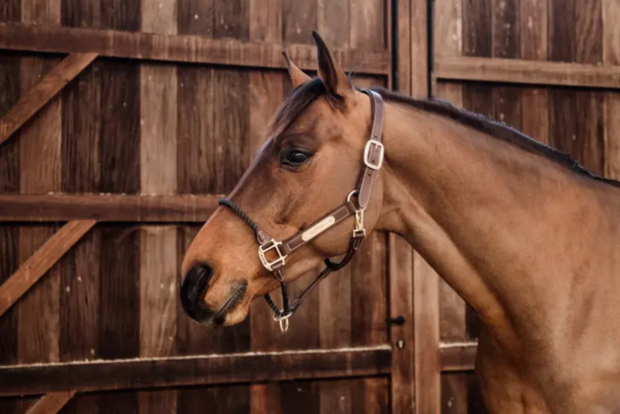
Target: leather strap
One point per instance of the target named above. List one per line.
(375, 153)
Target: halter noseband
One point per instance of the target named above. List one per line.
(280, 250)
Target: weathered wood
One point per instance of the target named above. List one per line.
(208, 369)
(31, 102)
(426, 324)
(107, 207)
(611, 55)
(51, 403)
(458, 356)
(40, 262)
(180, 48)
(527, 72)
(402, 337)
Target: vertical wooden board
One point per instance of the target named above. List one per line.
(158, 293)
(448, 24)
(611, 32)
(17, 405)
(195, 17)
(159, 16)
(120, 15)
(507, 105)
(299, 19)
(376, 395)
(266, 95)
(367, 25)
(589, 31)
(196, 150)
(477, 28)
(10, 11)
(533, 22)
(157, 401)
(535, 113)
(478, 97)
(119, 145)
(231, 128)
(333, 22)
(79, 298)
(231, 19)
(301, 397)
(265, 398)
(158, 128)
(265, 21)
(506, 27)
(39, 142)
(562, 25)
(402, 82)
(119, 298)
(419, 48)
(232, 399)
(426, 319)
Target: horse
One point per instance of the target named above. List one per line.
(528, 237)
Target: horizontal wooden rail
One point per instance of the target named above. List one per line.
(458, 357)
(107, 207)
(180, 48)
(41, 261)
(191, 370)
(36, 98)
(526, 72)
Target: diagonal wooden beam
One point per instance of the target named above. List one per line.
(43, 92)
(41, 261)
(51, 403)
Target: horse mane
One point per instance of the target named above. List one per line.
(302, 96)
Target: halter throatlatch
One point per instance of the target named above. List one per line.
(273, 253)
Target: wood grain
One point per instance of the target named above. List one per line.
(426, 323)
(177, 371)
(41, 261)
(527, 72)
(51, 403)
(477, 28)
(32, 101)
(458, 357)
(108, 207)
(611, 55)
(178, 48)
(158, 169)
(505, 30)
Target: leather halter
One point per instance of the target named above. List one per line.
(280, 250)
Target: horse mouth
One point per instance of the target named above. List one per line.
(219, 316)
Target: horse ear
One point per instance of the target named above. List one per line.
(297, 75)
(336, 81)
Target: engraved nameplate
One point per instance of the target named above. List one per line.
(318, 228)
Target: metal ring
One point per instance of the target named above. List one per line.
(351, 195)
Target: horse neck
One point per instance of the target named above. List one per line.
(498, 223)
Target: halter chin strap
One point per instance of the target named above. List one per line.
(273, 253)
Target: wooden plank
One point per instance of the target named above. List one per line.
(206, 369)
(402, 337)
(527, 72)
(458, 356)
(158, 175)
(505, 29)
(107, 207)
(367, 26)
(31, 102)
(181, 48)
(51, 403)
(611, 55)
(299, 19)
(419, 48)
(402, 77)
(589, 31)
(41, 261)
(426, 323)
(562, 23)
(477, 28)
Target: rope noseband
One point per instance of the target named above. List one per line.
(280, 250)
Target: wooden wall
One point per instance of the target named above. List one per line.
(581, 121)
(144, 127)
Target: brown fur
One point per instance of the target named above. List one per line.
(531, 245)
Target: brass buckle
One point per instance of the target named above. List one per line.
(367, 149)
(264, 248)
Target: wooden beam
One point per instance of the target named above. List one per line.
(526, 72)
(51, 403)
(192, 370)
(41, 261)
(458, 357)
(30, 103)
(180, 48)
(107, 207)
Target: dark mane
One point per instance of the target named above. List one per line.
(302, 96)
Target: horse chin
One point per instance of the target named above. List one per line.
(236, 315)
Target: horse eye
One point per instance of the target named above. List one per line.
(294, 158)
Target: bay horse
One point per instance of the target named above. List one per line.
(528, 237)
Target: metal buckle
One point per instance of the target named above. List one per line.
(367, 149)
(264, 248)
(359, 230)
(283, 321)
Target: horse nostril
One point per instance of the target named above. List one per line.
(193, 290)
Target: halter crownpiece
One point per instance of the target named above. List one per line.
(374, 153)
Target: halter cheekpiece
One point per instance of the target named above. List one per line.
(273, 253)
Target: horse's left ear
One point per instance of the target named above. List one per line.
(338, 84)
